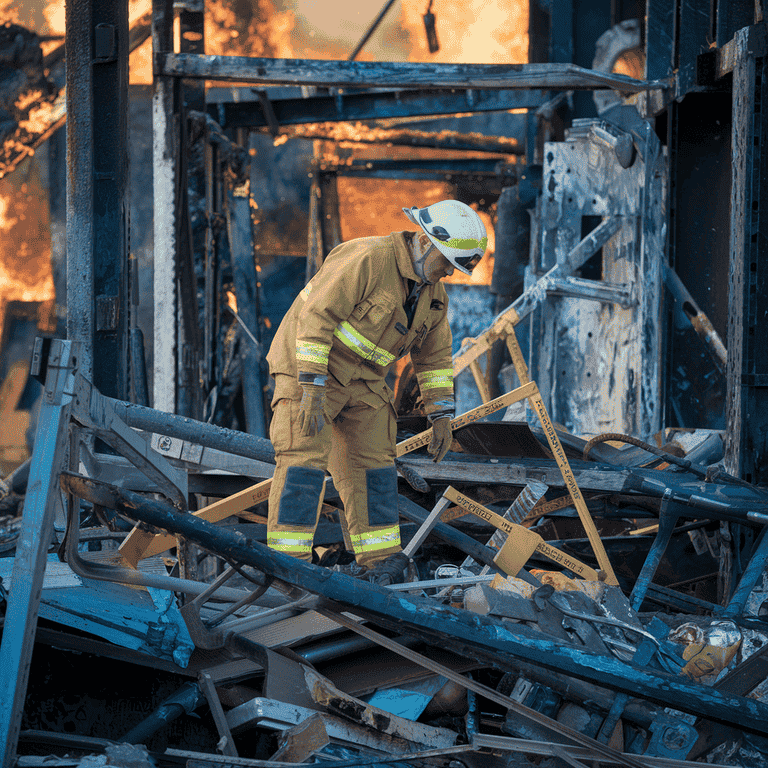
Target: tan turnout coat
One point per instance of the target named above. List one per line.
(349, 321)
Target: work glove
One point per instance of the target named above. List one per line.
(311, 410)
(441, 438)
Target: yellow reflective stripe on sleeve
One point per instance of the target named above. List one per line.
(362, 346)
(289, 541)
(437, 379)
(312, 352)
(373, 541)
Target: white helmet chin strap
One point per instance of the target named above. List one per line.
(419, 256)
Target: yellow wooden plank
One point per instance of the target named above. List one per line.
(480, 381)
(521, 541)
(417, 441)
(473, 348)
(140, 544)
(544, 508)
(570, 483)
(537, 403)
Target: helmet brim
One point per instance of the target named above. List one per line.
(411, 214)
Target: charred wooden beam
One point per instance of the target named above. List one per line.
(44, 108)
(360, 134)
(388, 74)
(747, 369)
(715, 500)
(374, 104)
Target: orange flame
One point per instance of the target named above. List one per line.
(8, 13)
(470, 31)
(25, 242)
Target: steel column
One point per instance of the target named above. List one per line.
(80, 227)
(110, 207)
(165, 164)
(746, 447)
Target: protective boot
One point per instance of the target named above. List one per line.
(389, 571)
(353, 569)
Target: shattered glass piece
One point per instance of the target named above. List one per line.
(407, 700)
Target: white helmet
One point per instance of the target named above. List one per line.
(455, 230)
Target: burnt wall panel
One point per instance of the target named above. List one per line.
(659, 36)
(699, 241)
(747, 395)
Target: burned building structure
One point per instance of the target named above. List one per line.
(586, 579)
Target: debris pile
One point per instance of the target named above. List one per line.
(563, 600)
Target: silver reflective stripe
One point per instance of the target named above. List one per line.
(359, 344)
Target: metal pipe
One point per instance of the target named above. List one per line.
(667, 523)
(185, 701)
(371, 29)
(326, 651)
(749, 578)
(103, 572)
(199, 432)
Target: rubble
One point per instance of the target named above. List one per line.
(483, 651)
(566, 600)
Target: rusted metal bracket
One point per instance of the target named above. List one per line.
(97, 413)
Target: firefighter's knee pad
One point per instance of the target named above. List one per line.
(381, 492)
(300, 496)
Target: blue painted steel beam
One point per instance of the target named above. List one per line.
(752, 573)
(32, 549)
(371, 105)
(109, 207)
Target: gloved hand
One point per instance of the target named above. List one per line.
(311, 410)
(441, 438)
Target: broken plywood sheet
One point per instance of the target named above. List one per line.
(145, 620)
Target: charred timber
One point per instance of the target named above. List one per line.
(409, 138)
(717, 501)
(480, 637)
(368, 104)
(386, 74)
(42, 96)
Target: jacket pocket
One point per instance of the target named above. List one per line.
(362, 309)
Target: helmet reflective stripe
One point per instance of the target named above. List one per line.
(455, 230)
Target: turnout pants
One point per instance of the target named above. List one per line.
(357, 446)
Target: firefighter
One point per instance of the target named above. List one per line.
(374, 300)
